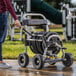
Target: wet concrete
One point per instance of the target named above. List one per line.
(56, 70)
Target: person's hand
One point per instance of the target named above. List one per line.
(17, 23)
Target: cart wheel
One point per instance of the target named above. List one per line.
(68, 60)
(38, 61)
(23, 60)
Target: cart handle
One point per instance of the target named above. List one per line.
(13, 25)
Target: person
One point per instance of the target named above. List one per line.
(5, 7)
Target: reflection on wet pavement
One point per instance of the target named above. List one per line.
(48, 70)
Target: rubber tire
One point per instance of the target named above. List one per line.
(25, 57)
(39, 58)
(69, 60)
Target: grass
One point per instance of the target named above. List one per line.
(11, 49)
(56, 30)
(71, 47)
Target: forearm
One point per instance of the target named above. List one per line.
(11, 10)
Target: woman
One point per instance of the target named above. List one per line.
(5, 5)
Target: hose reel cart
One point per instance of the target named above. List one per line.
(46, 45)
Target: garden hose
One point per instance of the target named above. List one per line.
(35, 44)
(38, 47)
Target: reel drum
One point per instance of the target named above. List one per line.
(39, 47)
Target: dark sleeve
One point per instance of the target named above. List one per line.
(11, 10)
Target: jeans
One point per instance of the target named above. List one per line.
(3, 30)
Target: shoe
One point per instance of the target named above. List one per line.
(4, 66)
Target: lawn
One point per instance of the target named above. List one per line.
(11, 49)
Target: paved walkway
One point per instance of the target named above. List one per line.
(56, 70)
